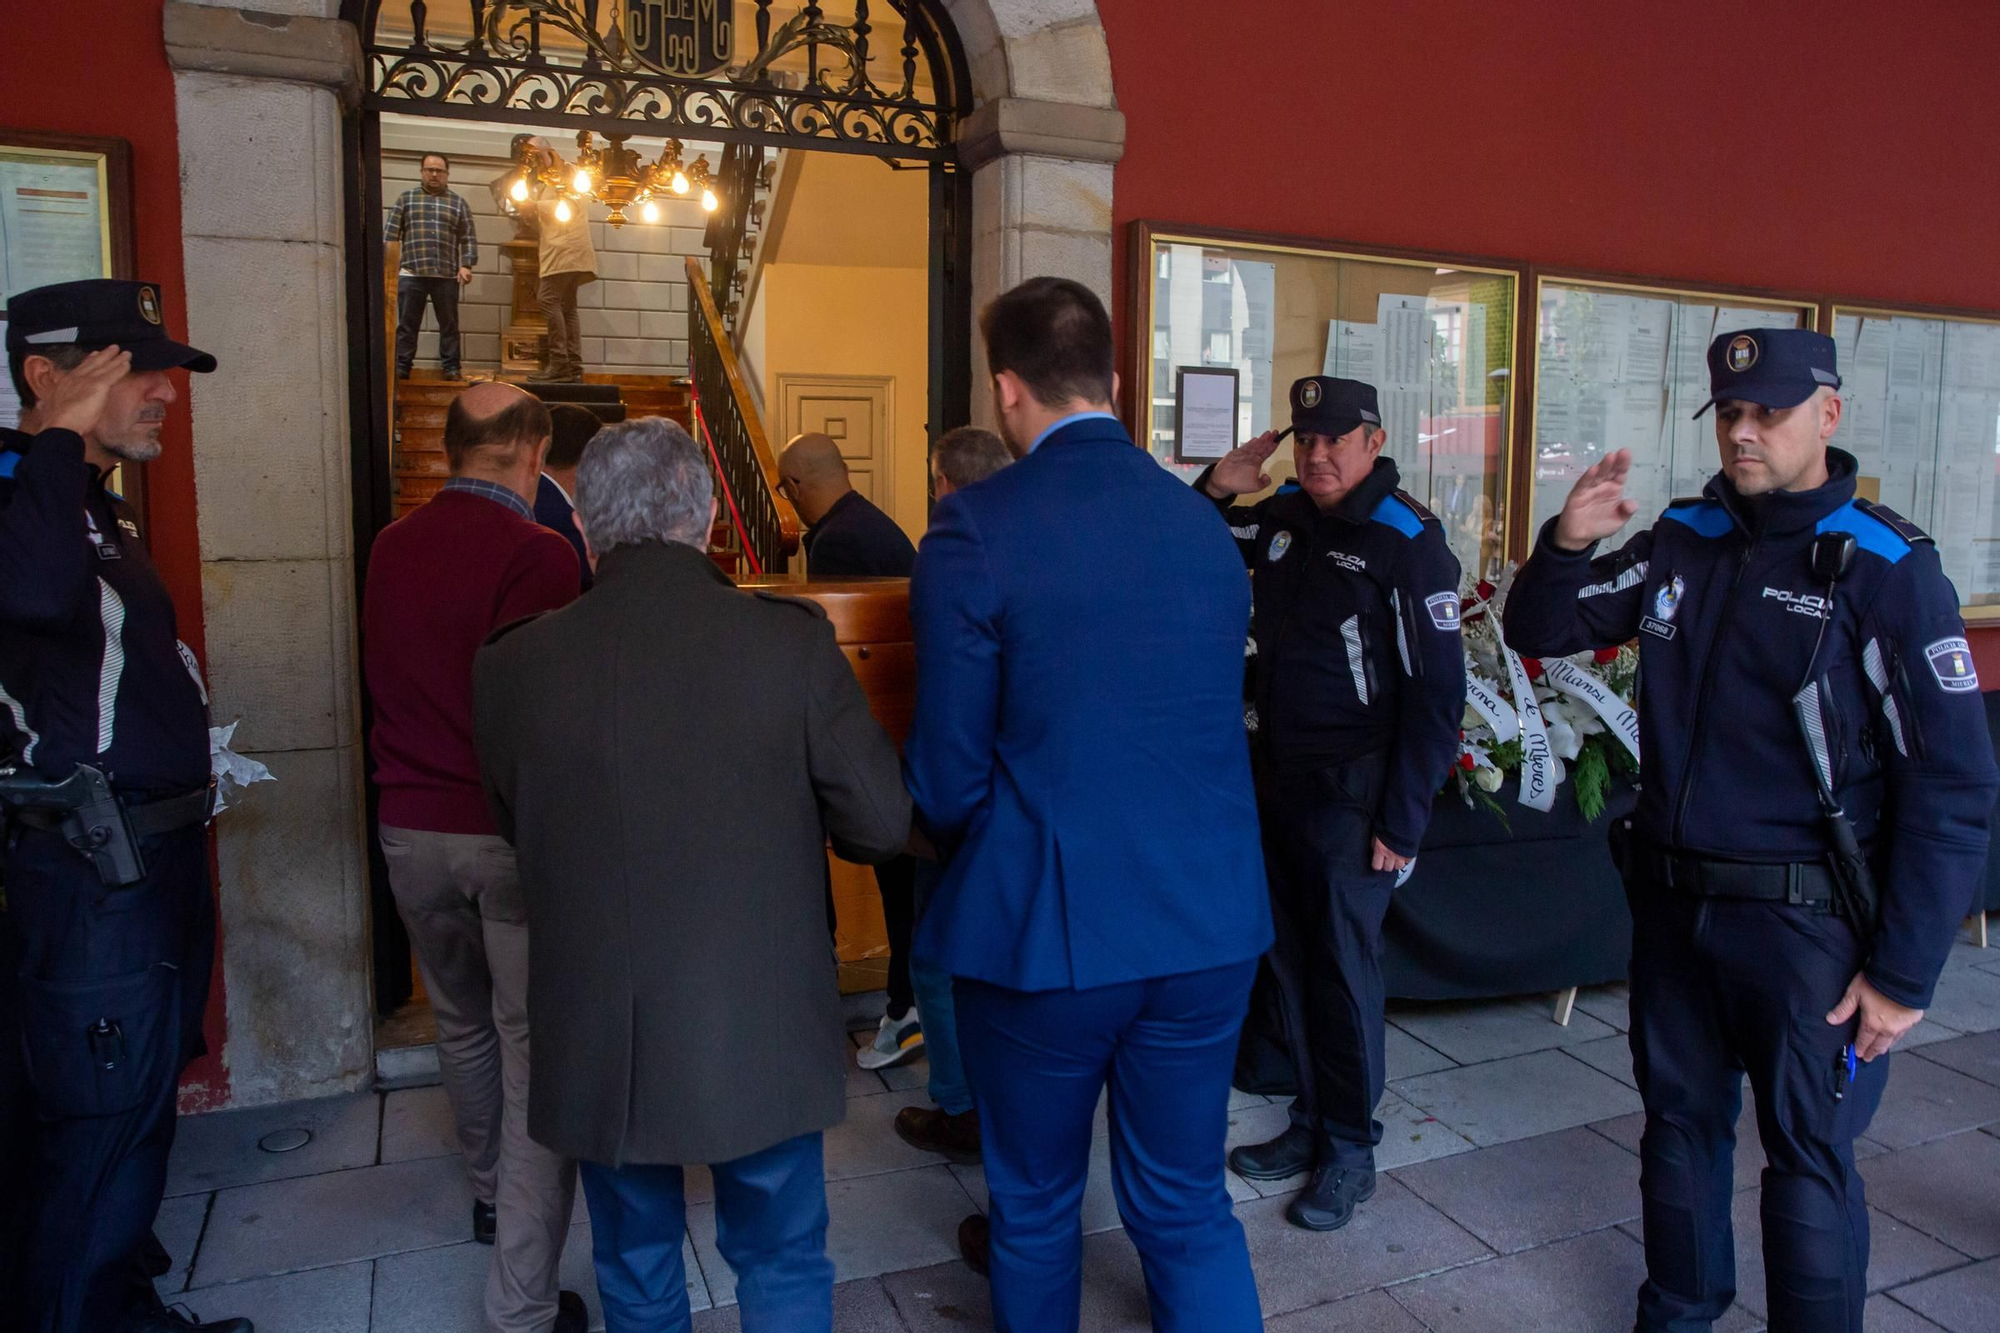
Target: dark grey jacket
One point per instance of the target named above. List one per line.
(669, 755)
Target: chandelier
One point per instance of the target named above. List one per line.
(614, 176)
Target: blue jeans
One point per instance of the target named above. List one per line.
(1166, 1045)
(932, 986)
(770, 1224)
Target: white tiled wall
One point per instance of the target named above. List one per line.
(634, 316)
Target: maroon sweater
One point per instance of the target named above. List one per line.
(439, 581)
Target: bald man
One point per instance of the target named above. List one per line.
(439, 582)
(846, 536)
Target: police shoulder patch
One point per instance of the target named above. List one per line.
(811, 608)
(1443, 607)
(1951, 664)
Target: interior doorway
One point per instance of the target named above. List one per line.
(835, 262)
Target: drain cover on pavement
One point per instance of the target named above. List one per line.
(285, 1140)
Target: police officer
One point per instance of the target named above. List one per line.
(1359, 688)
(108, 936)
(1813, 738)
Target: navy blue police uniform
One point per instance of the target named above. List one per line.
(1358, 691)
(107, 981)
(1759, 667)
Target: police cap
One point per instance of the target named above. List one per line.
(98, 312)
(1324, 405)
(1771, 367)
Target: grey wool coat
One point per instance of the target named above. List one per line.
(668, 755)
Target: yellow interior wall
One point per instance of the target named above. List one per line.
(821, 319)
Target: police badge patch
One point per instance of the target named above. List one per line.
(1667, 601)
(1443, 607)
(1742, 353)
(1951, 663)
(1309, 394)
(1279, 545)
(149, 305)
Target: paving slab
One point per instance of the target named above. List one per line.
(340, 1217)
(1404, 1056)
(1896, 1253)
(1944, 1189)
(219, 1150)
(1608, 1055)
(1475, 1031)
(1882, 1314)
(866, 1143)
(1610, 1005)
(1967, 1000)
(1964, 953)
(1519, 1097)
(950, 1298)
(1411, 1134)
(1393, 1236)
(1977, 1055)
(858, 1307)
(1526, 1193)
(178, 1226)
(1925, 1101)
(1370, 1312)
(910, 1076)
(417, 1123)
(1581, 1285)
(1965, 1301)
(325, 1300)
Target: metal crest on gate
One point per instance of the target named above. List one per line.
(695, 38)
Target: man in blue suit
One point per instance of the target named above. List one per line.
(1078, 751)
(571, 428)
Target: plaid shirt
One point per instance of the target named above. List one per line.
(494, 491)
(436, 232)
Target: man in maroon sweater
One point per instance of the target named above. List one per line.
(439, 581)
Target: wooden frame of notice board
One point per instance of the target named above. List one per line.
(1806, 310)
(1149, 403)
(48, 150)
(1831, 312)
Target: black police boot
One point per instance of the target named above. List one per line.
(1290, 1153)
(485, 1219)
(975, 1244)
(571, 1314)
(180, 1319)
(1328, 1202)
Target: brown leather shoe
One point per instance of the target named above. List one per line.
(973, 1243)
(930, 1129)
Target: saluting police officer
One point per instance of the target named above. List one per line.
(1810, 831)
(1359, 688)
(108, 935)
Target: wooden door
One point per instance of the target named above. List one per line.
(856, 411)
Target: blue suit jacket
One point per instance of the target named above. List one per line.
(1080, 620)
(552, 511)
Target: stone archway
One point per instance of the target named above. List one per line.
(259, 90)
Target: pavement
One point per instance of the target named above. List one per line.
(1510, 1199)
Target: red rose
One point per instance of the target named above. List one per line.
(1465, 762)
(1604, 655)
(1533, 666)
(1486, 590)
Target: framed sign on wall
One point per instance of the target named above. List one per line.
(65, 214)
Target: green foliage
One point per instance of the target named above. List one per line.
(1590, 775)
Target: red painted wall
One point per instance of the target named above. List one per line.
(101, 68)
(1841, 151)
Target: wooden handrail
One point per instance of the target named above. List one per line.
(757, 471)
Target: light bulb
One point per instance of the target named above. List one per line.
(520, 191)
(708, 200)
(651, 212)
(582, 182)
(680, 182)
(562, 211)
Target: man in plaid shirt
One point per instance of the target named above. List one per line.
(439, 249)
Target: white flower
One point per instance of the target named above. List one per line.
(1488, 779)
(1563, 738)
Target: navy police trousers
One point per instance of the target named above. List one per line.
(1720, 988)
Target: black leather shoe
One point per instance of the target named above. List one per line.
(484, 1220)
(571, 1316)
(1287, 1155)
(974, 1242)
(180, 1319)
(1329, 1201)
(932, 1129)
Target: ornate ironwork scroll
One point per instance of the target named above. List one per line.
(635, 66)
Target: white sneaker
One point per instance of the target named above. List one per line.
(896, 1040)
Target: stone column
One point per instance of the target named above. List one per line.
(1041, 202)
(258, 95)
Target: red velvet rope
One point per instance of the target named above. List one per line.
(722, 479)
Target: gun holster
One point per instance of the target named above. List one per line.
(85, 811)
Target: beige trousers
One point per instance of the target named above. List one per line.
(460, 897)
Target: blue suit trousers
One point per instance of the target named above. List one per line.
(770, 1224)
(1038, 1060)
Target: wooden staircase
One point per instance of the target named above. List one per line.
(419, 462)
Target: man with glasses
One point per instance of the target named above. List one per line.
(434, 225)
